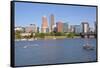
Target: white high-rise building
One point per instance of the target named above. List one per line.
(85, 27)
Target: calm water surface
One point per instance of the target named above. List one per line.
(53, 51)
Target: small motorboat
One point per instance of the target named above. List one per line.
(25, 46)
(88, 47)
(54, 38)
(30, 39)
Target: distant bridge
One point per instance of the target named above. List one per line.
(88, 35)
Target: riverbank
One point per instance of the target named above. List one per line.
(46, 38)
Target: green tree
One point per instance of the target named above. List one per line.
(58, 34)
(36, 34)
(17, 35)
(52, 33)
(31, 36)
(41, 35)
(70, 35)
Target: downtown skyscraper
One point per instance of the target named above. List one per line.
(77, 29)
(85, 27)
(59, 25)
(44, 26)
(65, 27)
(52, 23)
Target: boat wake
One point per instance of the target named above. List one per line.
(88, 47)
(30, 46)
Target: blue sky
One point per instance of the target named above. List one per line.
(30, 13)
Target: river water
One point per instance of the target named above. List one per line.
(53, 51)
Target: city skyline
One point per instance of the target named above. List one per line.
(32, 13)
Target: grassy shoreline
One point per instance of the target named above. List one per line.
(49, 37)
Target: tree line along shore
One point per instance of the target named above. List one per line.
(51, 35)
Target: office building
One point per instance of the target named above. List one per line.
(38, 30)
(44, 26)
(59, 26)
(85, 27)
(72, 28)
(31, 28)
(77, 28)
(52, 22)
(65, 27)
